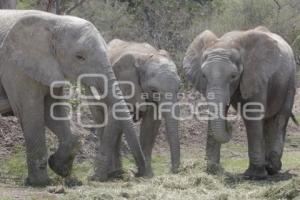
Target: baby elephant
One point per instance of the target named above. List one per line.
(254, 71)
(153, 91)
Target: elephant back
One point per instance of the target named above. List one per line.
(117, 47)
(9, 18)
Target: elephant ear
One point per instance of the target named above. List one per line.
(260, 59)
(194, 58)
(29, 43)
(126, 69)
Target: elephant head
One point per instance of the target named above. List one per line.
(238, 62)
(51, 48)
(153, 73)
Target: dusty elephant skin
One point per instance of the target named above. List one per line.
(36, 49)
(238, 68)
(152, 72)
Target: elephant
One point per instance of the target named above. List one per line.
(151, 72)
(38, 49)
(251, 70)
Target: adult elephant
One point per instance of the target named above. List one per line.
(37, 49)
(245, 67)
(155, 84)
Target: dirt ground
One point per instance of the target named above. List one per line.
(193, 137)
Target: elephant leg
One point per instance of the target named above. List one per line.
(99, 159)
(256, 150)
(32, 122)
(106, 156)
(149, 131)
(26, 98)
(116, 163)
(31, 117)
(4, 103)
(274, 137)
(213, 149)
(275, 131)
(62, 160)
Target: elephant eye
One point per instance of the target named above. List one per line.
(235, 58)
(80, 57)
(234, 75)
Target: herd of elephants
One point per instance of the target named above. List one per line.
(238, 68)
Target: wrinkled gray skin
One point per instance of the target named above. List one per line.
(241, 67)
(150, 71)
(37, 48)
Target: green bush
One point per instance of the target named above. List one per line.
(172, 24)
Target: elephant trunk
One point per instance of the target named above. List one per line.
(172, 134)
(218, 126)
(127, 122)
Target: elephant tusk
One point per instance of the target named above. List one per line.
(95, 93)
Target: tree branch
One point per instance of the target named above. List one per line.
(69, 10)
(278, 4)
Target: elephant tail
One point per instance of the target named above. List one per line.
(294, 119)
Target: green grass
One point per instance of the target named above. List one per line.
(191, 183)
(194, 183)
(290, 190)
(6, 198)
(14, 167)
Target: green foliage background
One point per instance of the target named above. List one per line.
(172, 24)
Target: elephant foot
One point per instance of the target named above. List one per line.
(175, 170)
(116, 174)
(274, 164)
(214, 168)
(61, 162)
(113, 175)
(255, 173)
(38, 182)
(62, 167)
(72, 182)
(98, 178)
(145, 173)
(37, 173)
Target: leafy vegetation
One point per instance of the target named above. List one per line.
(14, 167)
(172, 24)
